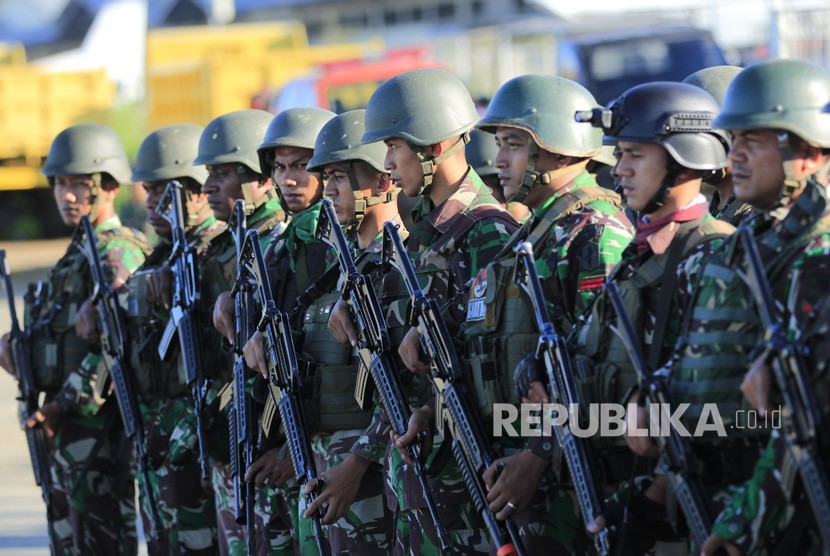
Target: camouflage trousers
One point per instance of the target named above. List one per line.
(415, 531)
(368, 527)
(274, 525)
(92, 473)
(186, 513)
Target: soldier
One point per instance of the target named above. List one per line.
(187, 512)
(458, 226)
(294, 259)
(578, 231)
(660, 168)
(364, 199)
(227, 147)
(770, 511)
(91, 457)
(774, 156)
(722, 205)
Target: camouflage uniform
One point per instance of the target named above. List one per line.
(767, 510)
(368, 527)
(187, 513)
(218, 275)
(446, 253)
(92, 458)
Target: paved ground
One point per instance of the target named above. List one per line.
(22, 514)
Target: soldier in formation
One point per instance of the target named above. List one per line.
(646, 298)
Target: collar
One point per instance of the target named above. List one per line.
(660, 240)
(443, 216)
(111, 223)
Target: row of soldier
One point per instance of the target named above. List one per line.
(655, 259)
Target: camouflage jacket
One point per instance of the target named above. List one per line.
(765, 508)
(445, 262)
(722, 329)
(122, 252)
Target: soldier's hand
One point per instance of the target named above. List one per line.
(756, 384)
(85, 322)
(420, 422)
(223, 316)
(410, 352)
(339, 488)
(536, 393)
(270, 470)
(638, 418)
(159, 288)
(47, 417)
(512, 481)
(6, 360)
(714, 543)
(340, 324)
(254, 352)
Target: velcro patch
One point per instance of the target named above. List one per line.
(593, 283)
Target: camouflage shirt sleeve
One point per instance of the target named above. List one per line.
(372, 443)
(120, 258)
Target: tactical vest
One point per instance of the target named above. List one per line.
(56, 350)
(603, 365)
(154, 378)
(500, 329)
(720, 332)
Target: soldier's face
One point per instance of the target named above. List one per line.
(222, 187)
(757, 168)
(640, 170)
(339, 190)
(155, 190)
(73, 195)
(299, 187)
(403, 166)
(511, 159)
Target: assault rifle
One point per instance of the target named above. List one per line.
(678, 460)
(29, 395)
(553, 351)
(110, 320)
(286, 388)
(459, 416)
(805, 435)
(374, 350)
(183, 264)
(242, 416)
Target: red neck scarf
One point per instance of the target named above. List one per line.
(647, 229)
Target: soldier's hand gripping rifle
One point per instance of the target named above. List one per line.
(374, 350)
(110, 321)
(286, 388)
(460, 417)
(806, 437)
(242, 416)
(677, 457)
(552, 350)
(185, 295)
(29, 395)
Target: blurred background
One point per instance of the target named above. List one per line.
(137, 65)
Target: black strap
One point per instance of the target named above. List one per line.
(664, 302)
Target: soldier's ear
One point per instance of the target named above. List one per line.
(382, 183)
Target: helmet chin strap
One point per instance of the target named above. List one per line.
(662, 196)
(532, 176)
(362, 202)
(249, 182)
(428, 162)
(95, 197)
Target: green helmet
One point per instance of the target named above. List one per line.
(339, 141)
(544, 105)
(233, 138)
(168, 153)
(481, 154)
(295, 127)
(778, 94)
(87, 149)
(423, 107)
(714, 80)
